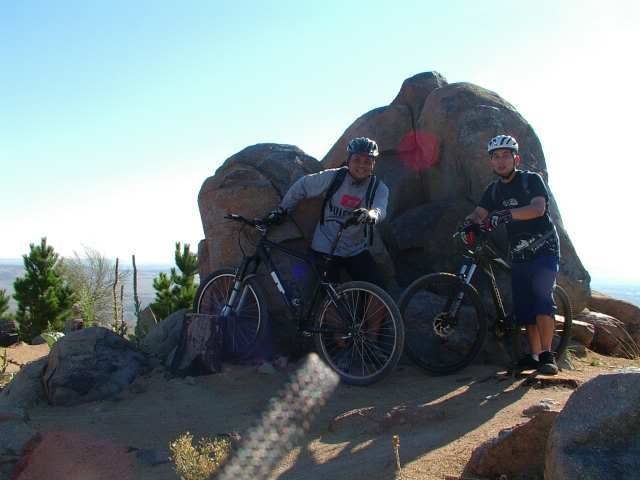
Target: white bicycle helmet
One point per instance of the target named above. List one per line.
(502, 141)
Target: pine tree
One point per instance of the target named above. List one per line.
(44, 299)
(4, 305)
(177, 290)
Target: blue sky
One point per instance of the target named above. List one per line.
(114, 112)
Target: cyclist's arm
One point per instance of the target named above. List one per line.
(478, 215)
(535, 209)
(380, 201)
(539, 197)
(309, 186)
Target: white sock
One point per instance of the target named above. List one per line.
(536, 356)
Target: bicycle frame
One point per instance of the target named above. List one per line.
(249, 267)
(484, 257)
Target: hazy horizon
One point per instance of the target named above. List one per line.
(623, 290)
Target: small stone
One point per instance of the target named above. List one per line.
(545, 405)
(152, 457)
(266, 368)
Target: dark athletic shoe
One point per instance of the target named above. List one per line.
(528, 363)
(548, 364)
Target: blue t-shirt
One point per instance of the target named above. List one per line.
(527, 238)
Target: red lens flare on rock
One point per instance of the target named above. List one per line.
(419, 150)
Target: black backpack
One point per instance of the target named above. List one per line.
(338, 178)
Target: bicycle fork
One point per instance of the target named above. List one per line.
(239, 292)
(228, 308)
(465, 274)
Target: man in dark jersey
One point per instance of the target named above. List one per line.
(520, 200)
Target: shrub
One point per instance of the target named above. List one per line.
(201, 461)
(91, 278)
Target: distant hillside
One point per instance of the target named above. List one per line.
(11, 269)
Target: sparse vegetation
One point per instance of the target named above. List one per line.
(44, 297)
(91, 277)
(176, 290)
(3, 361)
(201, 461)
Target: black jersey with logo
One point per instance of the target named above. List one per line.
(527, 238)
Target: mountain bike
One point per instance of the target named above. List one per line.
(356, 326)
(446, 321)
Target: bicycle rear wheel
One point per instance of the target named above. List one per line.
(563, 321)
(244, 324)
(439, 339)
(365, 347)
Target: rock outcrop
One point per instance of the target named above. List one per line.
(611, 336)
(516, 452)
(436, 168)
(602, 442)
(90, 364)
(432, 139)
(626, 313)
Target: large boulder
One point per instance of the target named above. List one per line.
(16, 437)
(8, 333)
(91, 364)
(249, 183)
(611, 337)
(436, 168)
(25, 389)
(603, 442)
(516, 452)
(163, 340)
(75, 455)
(625, 312)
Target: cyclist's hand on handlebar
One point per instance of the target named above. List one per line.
(495, 219)
(365, 216)
(275, 216)
(468, 232)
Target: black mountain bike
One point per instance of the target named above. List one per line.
(446, 322)
(357, 327)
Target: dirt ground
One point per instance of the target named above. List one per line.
(439, 421)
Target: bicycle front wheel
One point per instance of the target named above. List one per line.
(365, 346)
(563, 319)
(244, 322)
(445, 323)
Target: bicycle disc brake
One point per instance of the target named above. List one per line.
(442, 325)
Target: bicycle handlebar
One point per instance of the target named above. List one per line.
(261, 224)
(480, 244)
(256, 223)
